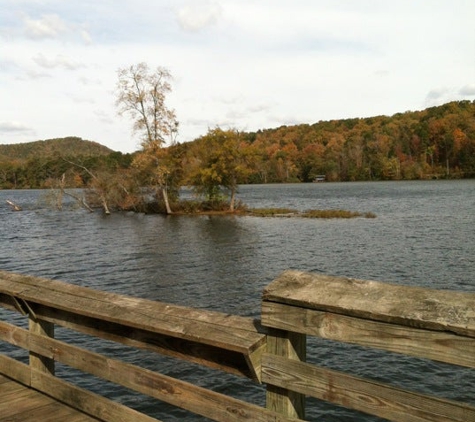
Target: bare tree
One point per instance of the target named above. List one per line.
(141, 94)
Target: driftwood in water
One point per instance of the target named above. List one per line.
(80, 200)
(15, 207)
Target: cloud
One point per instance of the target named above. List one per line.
(445, 94)
(104, 117)
(33, 74)
(86, 37)
(195, 17)
(89, 82)
(14, 127)
(48, 26)
(382, 73)
(467, 90)
(59, 61)
(437, 94)
(8, 66)
(78, 99)
(257, 108)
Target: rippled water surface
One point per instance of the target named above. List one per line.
(424, 235)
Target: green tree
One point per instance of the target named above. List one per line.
(219, 161)
(141, 93)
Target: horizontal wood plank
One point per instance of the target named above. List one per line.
(436, 345)
(418, 307)
(363, 395)
(176, 392)
(102, 408)
(214, 328)
(215, 339)
(20, 403)
(247, 365)
(15, 370)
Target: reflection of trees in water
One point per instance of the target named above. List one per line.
(193, 261)
(227, 255)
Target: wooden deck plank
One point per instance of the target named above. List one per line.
(23, 404)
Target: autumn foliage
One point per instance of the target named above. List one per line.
(438, 142)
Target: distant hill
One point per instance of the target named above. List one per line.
(70, 146)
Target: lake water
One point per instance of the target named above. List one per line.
(423, 235)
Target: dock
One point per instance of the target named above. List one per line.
(438, 325)
(23, 404)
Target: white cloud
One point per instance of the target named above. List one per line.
(7, 65)
(240, 63)
(59, 61)
(48, 26)
(443, 95)
(467, 90)
(198, 15)
(86, 37)
(14, 127)
(437, 94)
(33, 74)
(104, 117)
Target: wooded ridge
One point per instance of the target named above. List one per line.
(438, 142)
(50, 148)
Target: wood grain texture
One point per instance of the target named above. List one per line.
(21, 404)
(85, 401)
(436, 345)
(285, 400)
(187, 396)
(214, 328)
(364, 395)
(418, 307)
(218, 340)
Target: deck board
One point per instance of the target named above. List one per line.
(23, 404)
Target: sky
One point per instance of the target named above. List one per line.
(236, 64)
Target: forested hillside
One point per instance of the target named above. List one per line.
(438, 142)
(433, 143)
(38, 164)
(68, 147)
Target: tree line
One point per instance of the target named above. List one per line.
(438, 142)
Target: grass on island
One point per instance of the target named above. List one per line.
(287, 212)
(272, 212)
(336, 214)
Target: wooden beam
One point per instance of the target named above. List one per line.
(90, 403)
(285, 400)
(436, 345)
(228, 342)
(417, 307)
(15, 370)
(42, 329)
(213, 357)
(179, 393)
(356, 393)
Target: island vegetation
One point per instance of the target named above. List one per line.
(438, 142)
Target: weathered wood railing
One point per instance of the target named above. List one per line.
(433, 324)
(439, 325)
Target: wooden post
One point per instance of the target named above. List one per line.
(42, 328)
(292, 346)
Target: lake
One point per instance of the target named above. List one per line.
(423, 235)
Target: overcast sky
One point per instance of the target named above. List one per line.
(243, 64)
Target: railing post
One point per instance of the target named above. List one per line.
(42, 328)
(292, 346)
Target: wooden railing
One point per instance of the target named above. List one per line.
(438, 325)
